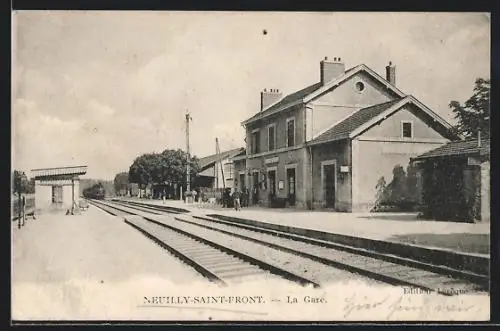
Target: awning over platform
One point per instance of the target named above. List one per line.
(54, 181)
(63, 171)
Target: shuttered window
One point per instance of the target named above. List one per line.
(290, 131)
(255, 142)
(407, 129)
(271, 137)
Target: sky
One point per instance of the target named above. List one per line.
(101, 88)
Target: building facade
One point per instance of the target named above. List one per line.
(329, 144)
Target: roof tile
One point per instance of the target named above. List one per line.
(456, 148)
(296, 96)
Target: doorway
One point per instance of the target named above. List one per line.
(272, 184)
(242, 183)
(57, 195)
(255, 188)
(290, 178)
(329, 183)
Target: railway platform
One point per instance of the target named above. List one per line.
(457, 245)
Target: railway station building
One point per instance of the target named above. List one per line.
(217, 170)
(57, 189)
(331, 144)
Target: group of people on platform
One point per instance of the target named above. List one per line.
(229, 198)
(239, 199)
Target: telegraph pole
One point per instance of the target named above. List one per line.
(220, 162)
(188, 180)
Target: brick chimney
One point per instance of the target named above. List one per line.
(268, 97)
(390, 73)
(331, 69)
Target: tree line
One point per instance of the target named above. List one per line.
(21, 183)
(167, 168)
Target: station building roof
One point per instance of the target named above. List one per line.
(209, 161)
(61, 171)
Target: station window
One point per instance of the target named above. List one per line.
(360, 86)
(407, 129)
(290, 132)
(271, 137)
(255, 142)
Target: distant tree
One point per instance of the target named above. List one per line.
(21, 183)
(121, 182)
(397, 187)
(142, 169)
(380, 196)
(474, 114)
(166, 167)
(174, 166)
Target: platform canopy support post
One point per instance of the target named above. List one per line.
(72, 196)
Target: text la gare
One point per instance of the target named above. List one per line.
(305, 299)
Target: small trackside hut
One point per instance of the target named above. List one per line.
(57, 189)
(456, 181)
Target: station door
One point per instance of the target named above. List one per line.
(57, 195)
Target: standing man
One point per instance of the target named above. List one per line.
(236, 199)
(201, 198)
(255, 193)
(246, 197)
(193, 194)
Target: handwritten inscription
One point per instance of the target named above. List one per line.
(354, 303)
(426, 307)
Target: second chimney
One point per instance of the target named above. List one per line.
(390, 73)
(268, 97)
(330, 70)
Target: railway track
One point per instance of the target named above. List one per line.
(385, 268)
(217, 263)
(161, 209)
